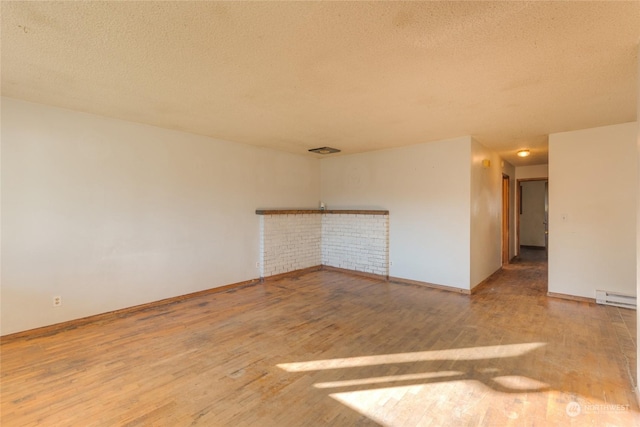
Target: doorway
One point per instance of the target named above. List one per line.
(505, 219)
(533, 215)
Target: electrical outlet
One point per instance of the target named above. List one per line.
(57, 301)
(257, 265)
(390, 263)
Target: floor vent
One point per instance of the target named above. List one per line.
(615, 298)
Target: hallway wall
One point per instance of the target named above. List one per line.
(592, 210)
(486, 213)
(534, 171)
(637, 193)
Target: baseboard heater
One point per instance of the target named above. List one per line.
(616, 298)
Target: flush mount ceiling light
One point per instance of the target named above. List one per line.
(523, 153)
(324, 150)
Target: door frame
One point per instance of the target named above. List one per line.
(506, 190)
(519, 209)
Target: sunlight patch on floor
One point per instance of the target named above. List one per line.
(409, 405)
(518, 382)
(469, 393)
(432, 404)
(470, 353)
(391, 378)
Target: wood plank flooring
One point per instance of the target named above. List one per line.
(329, 348)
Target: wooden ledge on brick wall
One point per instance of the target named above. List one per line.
(320, 211)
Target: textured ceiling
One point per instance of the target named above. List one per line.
(352, 75)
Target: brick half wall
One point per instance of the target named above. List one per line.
(289, 242)
(349, 240)
(356, 242)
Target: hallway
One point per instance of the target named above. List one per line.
(328, 348)
(523, 284)
(527, 274)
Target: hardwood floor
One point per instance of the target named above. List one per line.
(329, 348)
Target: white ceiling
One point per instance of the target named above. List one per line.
(352, 75)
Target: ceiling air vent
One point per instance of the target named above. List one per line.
(324, 150)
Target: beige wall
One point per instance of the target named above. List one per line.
(110, 214)
(445, 208)
(426, 189)
(637, 193)
(486, 213)
(592, 210)
(530, 172)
